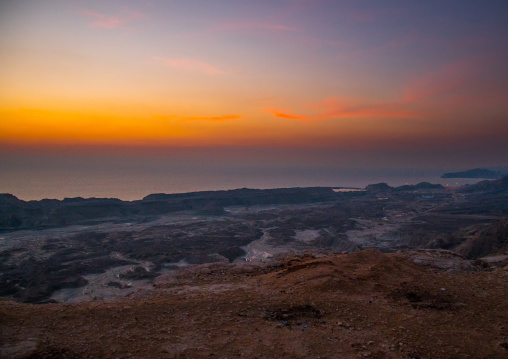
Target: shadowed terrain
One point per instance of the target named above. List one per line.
(107, 248)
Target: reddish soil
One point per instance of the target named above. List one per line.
(365, 304)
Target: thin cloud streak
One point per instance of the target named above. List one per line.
(442, 81)
(110, 22)
(189, 65)
(465, 86)
(335, 108)
(291, 117)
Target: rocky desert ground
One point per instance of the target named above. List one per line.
(408, 272)
(416, 304)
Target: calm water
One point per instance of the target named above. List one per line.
(131, 183)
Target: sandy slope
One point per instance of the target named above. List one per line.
(365, 304)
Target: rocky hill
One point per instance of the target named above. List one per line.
(16, 214)
(424, 304)
(496, 186)
(492, 239)
(422, 186)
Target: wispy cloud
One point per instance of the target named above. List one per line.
(336, 108)
(464, 86)
(443, 81)
(291, 117)
(247, 25)
(103, 21)
(189, 65)
(469, 87)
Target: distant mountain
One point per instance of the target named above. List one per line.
(497, 186)
(474, 173)
(383, 187)
(419, 186)
(378, 187)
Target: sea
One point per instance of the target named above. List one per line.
(39, 182)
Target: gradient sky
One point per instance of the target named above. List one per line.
(385, 83)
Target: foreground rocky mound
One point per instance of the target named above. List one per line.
(424, 304)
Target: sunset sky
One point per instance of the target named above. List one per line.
(374, 83)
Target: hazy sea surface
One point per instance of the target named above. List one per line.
(38, 182)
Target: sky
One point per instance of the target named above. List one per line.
(393, 83)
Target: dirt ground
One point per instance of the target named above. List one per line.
(361, 305)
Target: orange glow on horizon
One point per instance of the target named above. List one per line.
(366, 128)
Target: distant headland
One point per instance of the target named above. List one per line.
(475, 173)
